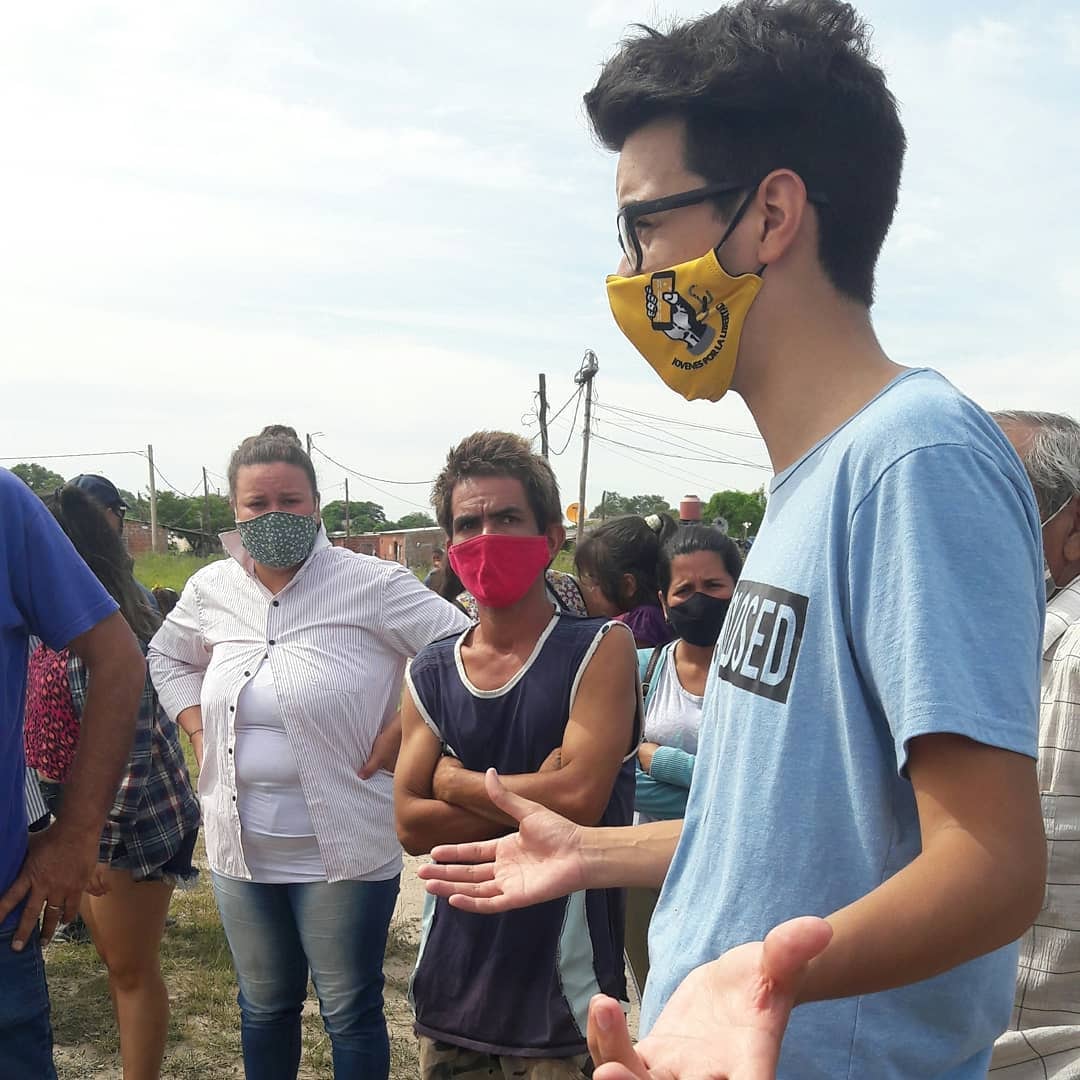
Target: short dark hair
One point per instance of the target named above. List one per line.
(275, 443)
(772, 84)
(625, 545)
(687, 540)
(498, 453)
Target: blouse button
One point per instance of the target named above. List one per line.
(270, 642)
(275, 603)
(232, 708)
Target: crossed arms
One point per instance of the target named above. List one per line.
(437, 800)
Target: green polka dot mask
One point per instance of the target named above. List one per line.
(278, 539)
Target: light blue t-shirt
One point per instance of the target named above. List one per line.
(895, 590)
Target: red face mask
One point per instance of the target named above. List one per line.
(498, 569)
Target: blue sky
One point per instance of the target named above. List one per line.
(381, 220)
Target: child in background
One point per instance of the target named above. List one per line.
(616, 568)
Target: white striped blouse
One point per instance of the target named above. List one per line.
(337, 638)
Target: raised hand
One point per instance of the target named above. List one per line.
(725, 1021)
(541, 861)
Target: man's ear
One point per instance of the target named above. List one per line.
(556, 537)
(1072, 537)
(782, 201)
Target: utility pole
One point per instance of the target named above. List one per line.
(603, 506)
(584, 378)
(153, 499)
(206, 503)
(543, 415)
(348, 524)
(308, 444)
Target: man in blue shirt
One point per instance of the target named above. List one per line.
(868, 736)
(47, 590)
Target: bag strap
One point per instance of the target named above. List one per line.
(650, 671)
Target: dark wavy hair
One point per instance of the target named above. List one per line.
(275, 443)
(497, 453)
(772, 84)
(83, 520)
(625, 545)
(688, 539)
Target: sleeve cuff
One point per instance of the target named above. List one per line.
(672, 766)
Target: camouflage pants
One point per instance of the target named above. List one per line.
(442, 1061)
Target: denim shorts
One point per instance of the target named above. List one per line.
(179, 870)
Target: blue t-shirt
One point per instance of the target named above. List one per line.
(46, 590)
(895, 590)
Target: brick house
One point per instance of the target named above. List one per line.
(410, 547)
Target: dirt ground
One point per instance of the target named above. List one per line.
(204, 1033)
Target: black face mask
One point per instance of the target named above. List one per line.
(699, 619)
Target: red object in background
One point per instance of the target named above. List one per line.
(690, 509)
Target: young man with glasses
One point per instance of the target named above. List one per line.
(868, 736)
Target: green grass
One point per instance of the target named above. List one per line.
(169, 569)
(204, 1024)
(564, 561)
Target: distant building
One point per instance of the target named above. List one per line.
(410, 547)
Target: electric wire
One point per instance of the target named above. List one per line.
(573, 423)
(684, 423)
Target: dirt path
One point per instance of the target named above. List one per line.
(204, 1037)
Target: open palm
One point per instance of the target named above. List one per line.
(725, 1021)
(541, 861)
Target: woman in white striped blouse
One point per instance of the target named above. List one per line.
(284, 665)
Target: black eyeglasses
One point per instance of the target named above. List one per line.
(629, 214)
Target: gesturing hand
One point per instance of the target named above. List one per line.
(725, 1021)
(541, 861)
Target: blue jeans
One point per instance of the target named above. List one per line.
(277, 933)
(26, 1041)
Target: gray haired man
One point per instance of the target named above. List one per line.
(1043, 1040)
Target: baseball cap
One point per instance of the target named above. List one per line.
(97, 487)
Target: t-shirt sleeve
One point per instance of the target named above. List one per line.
(56, 593)
(413, 616)
(945, 605)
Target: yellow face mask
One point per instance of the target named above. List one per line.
(686, 322)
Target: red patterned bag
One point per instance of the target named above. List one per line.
(51, 730)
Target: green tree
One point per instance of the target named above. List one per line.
(736, 508)
(37, 478)
(615, 505)
(415, 520)
(363, 516)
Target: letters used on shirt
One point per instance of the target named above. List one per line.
(759, 645)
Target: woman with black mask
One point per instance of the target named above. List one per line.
(697, 570)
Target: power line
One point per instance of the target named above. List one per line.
(168, 483)
(682, 476)
(30, 459)
(364, 476)
(573, 422)
(682, 443)
(382, 491)
(684, 423)
(682, 457)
